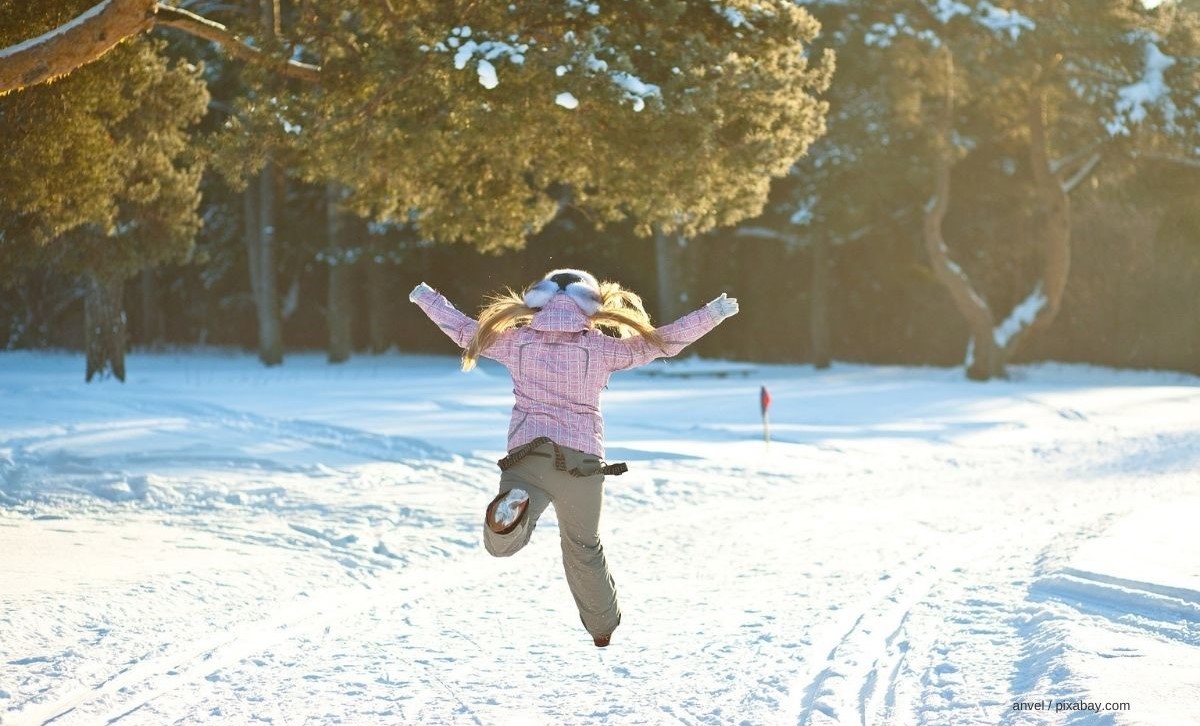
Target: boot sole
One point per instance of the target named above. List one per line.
(489, 517)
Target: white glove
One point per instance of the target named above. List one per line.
(419, 291)
(723, 307)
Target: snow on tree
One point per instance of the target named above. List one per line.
(468, 120)
(675, 114)
(1072, 80)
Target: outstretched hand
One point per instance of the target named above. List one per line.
(723, 307)
(419, 291)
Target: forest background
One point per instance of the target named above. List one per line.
(940, 183)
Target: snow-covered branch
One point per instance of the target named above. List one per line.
(78, 42)
(1172, 159)
(92, 34)
(1058, 165)
(1021, 317)
(1083, 173)
(1150, 91)
(766, 233)
(217, 33)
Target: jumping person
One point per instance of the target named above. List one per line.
(550, 341)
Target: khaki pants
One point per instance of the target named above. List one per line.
(577, 501)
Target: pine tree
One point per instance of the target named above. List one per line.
(99, 179)
(672, 114)
(472, 121)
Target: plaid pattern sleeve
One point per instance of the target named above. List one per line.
(625, 353)
(460, 327)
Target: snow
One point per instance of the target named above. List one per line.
(488, 50)
(636, 90)
(85, 17)
(217, 542)
(803, 216)
(487, 75)
(594, 64)
(464, 54)
(1132, 573)
(509, 507)
(947, 10)
(589, 8)
(985, 14)
(1151, 90)
(1000, 20)
(734, 16)
(1021, 316)
(883, 34)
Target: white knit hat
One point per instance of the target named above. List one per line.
(580, 286)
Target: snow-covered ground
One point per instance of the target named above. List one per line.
(215, 542)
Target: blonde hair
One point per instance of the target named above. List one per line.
(621, 314)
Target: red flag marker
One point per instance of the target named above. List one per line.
(764, 400)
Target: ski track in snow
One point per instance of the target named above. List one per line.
(229, 545)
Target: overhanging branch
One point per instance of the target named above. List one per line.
(1171, 159)
(1058, 165)
(215, 32)
(92, 34)
(1084, 171)
(73, 44)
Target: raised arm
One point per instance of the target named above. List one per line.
(459, 327)
(624, 353)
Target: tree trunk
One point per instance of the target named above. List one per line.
(260, 212)
(270, 324)
(104, 326)
(819, 305)
(152, 315)
(338, 313)
(991, 345)
(984, 358)
(670, 258)
(379, 306)
(271, 18)
(250, 233)
(1054, 225)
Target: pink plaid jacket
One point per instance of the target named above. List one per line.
(559, 364)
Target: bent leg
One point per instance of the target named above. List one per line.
(506, 545)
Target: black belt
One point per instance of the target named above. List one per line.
(560, 460)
